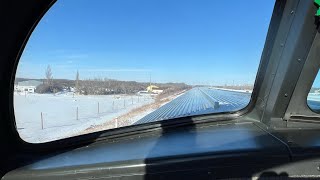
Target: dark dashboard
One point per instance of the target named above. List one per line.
(213, 151)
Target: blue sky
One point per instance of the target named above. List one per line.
(197, 42)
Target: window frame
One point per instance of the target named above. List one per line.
(157, 125)
(299, 110)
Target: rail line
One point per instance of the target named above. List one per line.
(200, 100)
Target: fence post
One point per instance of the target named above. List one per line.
(98, 108)
(112, 105)
(116, 123)
(138, 98)
(77, 114)
(41, 121)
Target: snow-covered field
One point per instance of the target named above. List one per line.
(59, 113)
(234, 90)
(314, 96)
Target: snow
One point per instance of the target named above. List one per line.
(59, 113)
(234, 90)
(314, 96)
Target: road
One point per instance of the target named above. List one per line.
(202, 100)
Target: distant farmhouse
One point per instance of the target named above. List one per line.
(154, 89)
(27, 86)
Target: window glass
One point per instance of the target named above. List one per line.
(97, 65)
(313, 99)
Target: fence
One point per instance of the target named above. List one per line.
(113, 107)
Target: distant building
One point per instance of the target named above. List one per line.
(157, 91)
(143, 92)
(27, 86)
(154, 89)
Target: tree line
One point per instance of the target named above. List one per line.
(98, 86)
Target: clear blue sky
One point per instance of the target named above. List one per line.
(192, 41)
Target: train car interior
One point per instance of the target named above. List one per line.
(277, 135)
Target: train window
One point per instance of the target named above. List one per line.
(91, 66)
(313, 99)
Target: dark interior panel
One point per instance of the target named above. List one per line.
(182, 150)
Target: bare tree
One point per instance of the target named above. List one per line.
(77, 82)
(49, 77)
(123, 87)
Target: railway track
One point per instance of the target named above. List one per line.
(197, 101)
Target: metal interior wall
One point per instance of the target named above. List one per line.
(293, 41)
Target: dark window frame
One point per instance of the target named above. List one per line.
(183, 121)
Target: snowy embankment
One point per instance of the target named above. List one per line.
(234, 90)
(314, 96)
(134, 115)
(48, 117)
